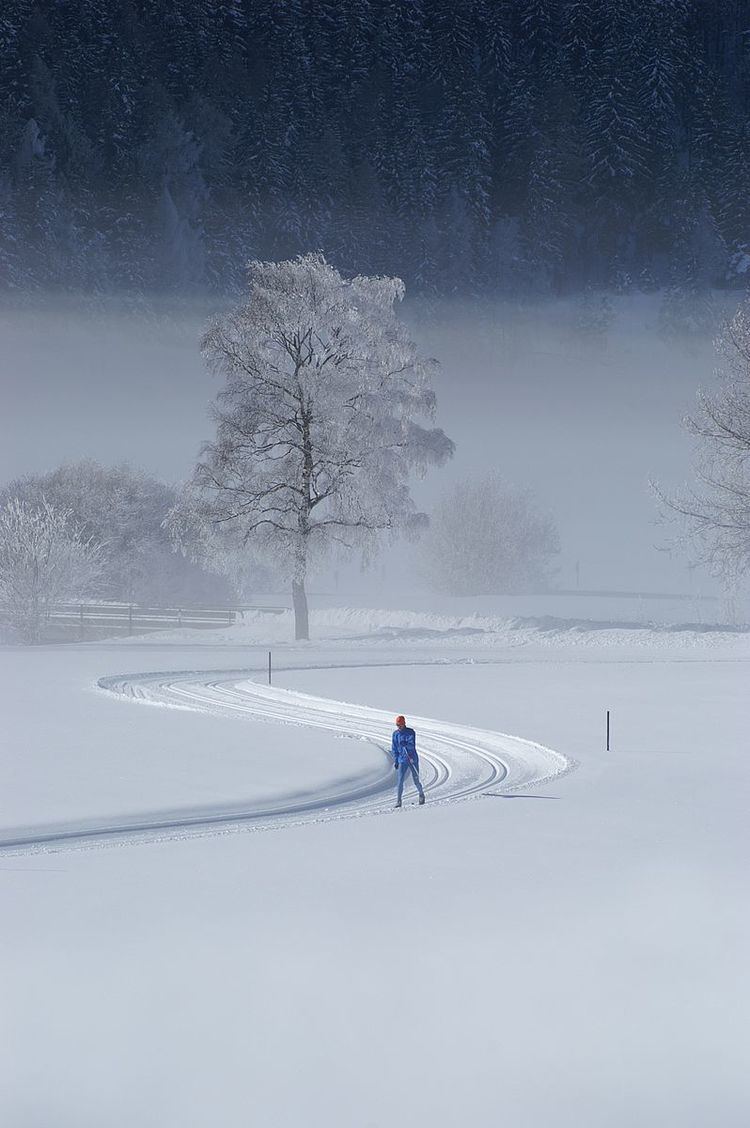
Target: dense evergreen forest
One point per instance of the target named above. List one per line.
(469, 146)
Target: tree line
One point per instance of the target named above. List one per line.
(466, 147)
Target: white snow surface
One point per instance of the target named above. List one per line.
(372, 626)
(572, 953)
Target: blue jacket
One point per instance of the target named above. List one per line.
(404, 747)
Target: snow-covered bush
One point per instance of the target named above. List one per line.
(124, 509)
(487, 537)
(44, 559)
(316, 425)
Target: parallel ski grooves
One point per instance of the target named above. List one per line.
(457, 762)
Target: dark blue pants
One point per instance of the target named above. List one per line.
(404, 767)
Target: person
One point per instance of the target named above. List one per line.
(405, 759)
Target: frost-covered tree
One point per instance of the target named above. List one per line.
(714, 513)
(316, 425)
(548, 232)
(150, 144)
(217, 549)
(688, 309)
(44, 559)
(172, 161)
(487, 537)
(125, 509)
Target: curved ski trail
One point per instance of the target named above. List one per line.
(456, 761)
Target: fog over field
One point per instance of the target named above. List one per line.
(585, 421)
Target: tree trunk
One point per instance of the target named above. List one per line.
(299, 599)
(299, 595)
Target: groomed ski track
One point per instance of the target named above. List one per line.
(456, 761)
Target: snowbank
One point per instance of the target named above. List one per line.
(404, 628)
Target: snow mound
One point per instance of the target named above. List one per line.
(407, 628)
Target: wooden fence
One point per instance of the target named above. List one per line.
(129, 619)
(98, 620)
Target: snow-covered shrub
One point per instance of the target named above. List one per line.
(44, 559)
(124, 509)
(487, 537)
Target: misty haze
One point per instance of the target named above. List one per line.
(375, 422)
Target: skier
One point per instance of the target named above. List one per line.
(404, 750)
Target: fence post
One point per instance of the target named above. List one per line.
(608, 730)
(81, 621)
(269, 667)
(130, 620)
(179, 617)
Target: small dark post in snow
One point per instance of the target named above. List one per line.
(130, 620)
(81, 621)
(179, 617)
(269, 667)
(608, 730)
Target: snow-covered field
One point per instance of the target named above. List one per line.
(569, 954)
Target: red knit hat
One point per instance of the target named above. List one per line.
(400, 720)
